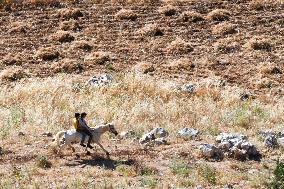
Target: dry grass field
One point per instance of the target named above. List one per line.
(231, 50)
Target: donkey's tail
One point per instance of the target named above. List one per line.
(58, 136)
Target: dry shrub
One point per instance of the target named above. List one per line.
(265, 4)
(168, 10)
(260, 43)
(182, 63)
(227, 45)
(63, 36)
(224, 29)
(18, 27)
(264, 83)
(125, 14)
(128, 2)
(12, 59)
(70, 25)
(68, 13)
(100, 58)
(179, 46)
(144, 67)
(191, 16)
(48, 54)
(219, 15)
(54, 3)
(12, 74)
(67, 66)
(269, 68)
(151, 30)
(82, 45)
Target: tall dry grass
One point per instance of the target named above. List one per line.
(131, 102)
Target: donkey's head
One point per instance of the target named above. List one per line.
(112, 129)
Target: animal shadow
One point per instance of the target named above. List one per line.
(103, 162)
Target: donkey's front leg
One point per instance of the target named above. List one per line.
(107, 153)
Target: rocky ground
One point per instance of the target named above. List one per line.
(206, 74)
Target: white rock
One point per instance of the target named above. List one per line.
(233, 138)
(160, 141)
(281, 141)
(159, 132)
(147, 138)
(225, 146)
(100, 80)
(190, 88)
(210, 151)
(270, 141)
(188, 133)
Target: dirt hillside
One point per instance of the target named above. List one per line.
(238, 41)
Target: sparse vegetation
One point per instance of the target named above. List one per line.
(180, 168)
(278, 176)
(208, 173)
(43, 162)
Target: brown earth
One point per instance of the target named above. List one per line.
(28, 28)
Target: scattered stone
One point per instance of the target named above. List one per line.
(228, 186)
(225, 146)
(190, 88)
(236, 145)
(160, 141)
(156, 133)
(47, 134)
(100, 80)
(188, 133)
(159, 132)
(211, 151)
(233, 138)
(199, 187)
(271, 141)
(281, 141)
(147, 138)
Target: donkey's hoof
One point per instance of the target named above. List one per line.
(88, 153)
